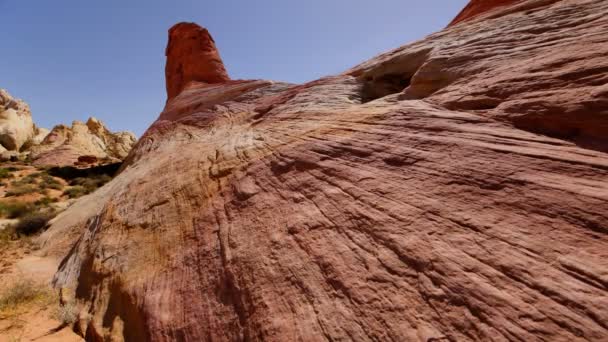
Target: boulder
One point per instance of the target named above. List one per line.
(16, 125)
(87, 160)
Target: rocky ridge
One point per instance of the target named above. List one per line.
(451, 189)
(476, 8)
(63, 145)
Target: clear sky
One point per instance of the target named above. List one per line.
(71, 59)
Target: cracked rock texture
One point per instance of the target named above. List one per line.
(453, 189)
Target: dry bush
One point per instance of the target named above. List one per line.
(67, 314)
(21, 189)
(16, 209)
(33, 223)
(23, 293)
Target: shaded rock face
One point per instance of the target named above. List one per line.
(479, 7)
(451, 189)
(191, 56)
(64, 145)
(16, 125)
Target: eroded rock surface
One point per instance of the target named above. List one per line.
(64, 145)
(191, 56)
(452, 189)
(16, 125)
(476, 8)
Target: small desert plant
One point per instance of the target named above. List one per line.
(33, 223)
(91, 183)
(67, 314)
(6, 173)
(48, 182)
(29, 179)
(7, 235)
(15, 209)
(45, 201)
(76, 191)
(23, 292)
(20, 190)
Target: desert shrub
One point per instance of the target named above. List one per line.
(76, 191)
(49, 182)
(91, 183)
(6, 235)
(45, 201)
(19, 190)
(16, 209)
(29, 179)
(23, 292)
(85, 185)
(6, 173)
(66, 314)
(33, 223)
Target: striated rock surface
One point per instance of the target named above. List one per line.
(476, 8)
(453, 189)
(16, 125)
(191, 56)
(64, 145)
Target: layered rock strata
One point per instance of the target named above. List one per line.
(451, 189)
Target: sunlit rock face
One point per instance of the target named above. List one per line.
(64, 145)
(191, 56)
(476, 8)
(451, 189)
(16, 125)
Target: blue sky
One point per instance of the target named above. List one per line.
(71, 59)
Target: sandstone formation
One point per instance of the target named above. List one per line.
(20, 137)
(64, 145)
(453, 189)
(478, 7)
(39, 135)
(191, 56)
(16, 125)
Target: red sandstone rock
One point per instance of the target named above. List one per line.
(428, 194)
(478, 7)
(87, 159)
(191, 56)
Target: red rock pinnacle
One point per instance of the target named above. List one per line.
(191, 56)
(477, 7)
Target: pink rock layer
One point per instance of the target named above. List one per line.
(453, 189)
(477, 7)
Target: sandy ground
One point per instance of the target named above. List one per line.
(34, 321)
(19, 263)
